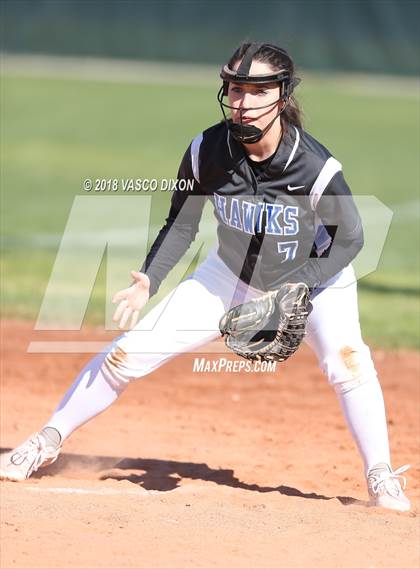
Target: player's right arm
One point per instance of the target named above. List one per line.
(172, 241)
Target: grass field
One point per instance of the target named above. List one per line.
(57, 132)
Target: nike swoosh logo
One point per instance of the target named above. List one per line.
(293, 188)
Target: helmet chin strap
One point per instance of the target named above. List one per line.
(250, 134)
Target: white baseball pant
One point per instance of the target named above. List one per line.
(189, 317)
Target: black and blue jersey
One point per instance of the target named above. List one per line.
(289, 218)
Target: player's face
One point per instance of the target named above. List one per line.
(247, 96)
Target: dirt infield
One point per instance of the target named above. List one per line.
(192, 470)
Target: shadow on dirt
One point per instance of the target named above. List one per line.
(166, 475)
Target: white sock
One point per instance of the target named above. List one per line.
(89, 395)
(364, 411)
(52, 437)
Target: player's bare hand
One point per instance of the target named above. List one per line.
(131, 300)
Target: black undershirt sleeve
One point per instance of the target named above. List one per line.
(179, 231)
(338, 214)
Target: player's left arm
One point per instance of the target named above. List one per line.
(337, 212)
(339, 215)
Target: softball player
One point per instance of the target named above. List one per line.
(285, 214)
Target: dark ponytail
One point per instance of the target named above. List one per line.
(277, 58)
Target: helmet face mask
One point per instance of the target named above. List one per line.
(246, 133)
(250, 134)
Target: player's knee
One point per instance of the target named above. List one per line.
(122, 365)
(116, 369)
(349, 366)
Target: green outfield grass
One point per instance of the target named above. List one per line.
(55, 133)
